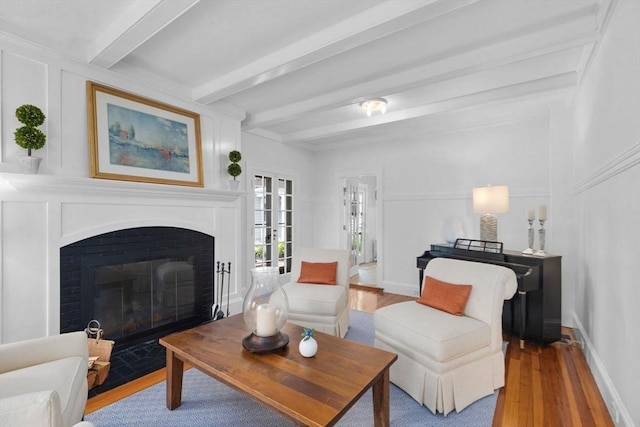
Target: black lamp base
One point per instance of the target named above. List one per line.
(256, 344)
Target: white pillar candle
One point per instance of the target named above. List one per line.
(542, 212)
(531, 214)
(265, 320)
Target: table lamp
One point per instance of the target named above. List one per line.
(488, 201)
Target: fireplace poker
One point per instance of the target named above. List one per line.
(220, 313)
(228, 285)
(215, 308)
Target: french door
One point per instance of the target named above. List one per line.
(273, 221)
(355, 223)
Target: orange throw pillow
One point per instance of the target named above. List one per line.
(444, 296)
(323, 273)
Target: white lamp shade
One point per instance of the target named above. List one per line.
(491, 199)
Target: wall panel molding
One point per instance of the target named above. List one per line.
(2, 51)
(624, 161)
(457, 195)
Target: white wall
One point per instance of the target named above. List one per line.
(606, 142)
(581, 158)
(266, 156)
(588, 174)
(60, 205)
(369, 184)
(429, 178)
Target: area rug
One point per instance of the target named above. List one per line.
(206, 402)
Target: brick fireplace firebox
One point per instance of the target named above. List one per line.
(140, 284)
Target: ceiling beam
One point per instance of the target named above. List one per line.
(541, 87)
(381, 20)
(579, 30)
(510, 111)
(137, 25)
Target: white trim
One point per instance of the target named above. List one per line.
(458, 195)
(340, 178)
(1, 264)
(624, 161)
(604, 19)
(151, 86)
(399, 288)
(2, 52)
(252, 171)
(605, 384)
(15, 183)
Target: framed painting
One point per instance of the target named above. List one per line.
(132, 138)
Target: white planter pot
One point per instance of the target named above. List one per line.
(308, 348)
(233, 184)
(29, 164)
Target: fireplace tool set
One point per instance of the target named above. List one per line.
(218, 312)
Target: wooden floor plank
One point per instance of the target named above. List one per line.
(544, 386)
(538, 408)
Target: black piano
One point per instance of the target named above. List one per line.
(534, 313)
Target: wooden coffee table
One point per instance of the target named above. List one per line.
(316, 391)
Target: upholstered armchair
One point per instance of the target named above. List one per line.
(43, 381)
(447, 361)
(313, 301)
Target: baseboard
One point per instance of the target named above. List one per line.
(619, 413)
(370, 288)
(401, 288)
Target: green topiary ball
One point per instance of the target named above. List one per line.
(30, 138)
(234, 170)
(235, 156)
(30, 115)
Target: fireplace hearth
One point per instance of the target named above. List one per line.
(140, 284)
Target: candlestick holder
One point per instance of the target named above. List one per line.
(541, 233)
(529, 250)
(265, 309)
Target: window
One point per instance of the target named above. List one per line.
(273, 222)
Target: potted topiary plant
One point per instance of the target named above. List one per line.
(29, 137)
(234, 169)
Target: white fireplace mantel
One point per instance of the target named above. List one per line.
(41, 213)
(16, 185)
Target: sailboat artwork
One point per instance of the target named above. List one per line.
(143, 140)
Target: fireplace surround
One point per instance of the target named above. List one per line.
(141, 284)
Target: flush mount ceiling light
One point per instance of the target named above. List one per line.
(374, 105)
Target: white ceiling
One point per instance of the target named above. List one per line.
(299, 68)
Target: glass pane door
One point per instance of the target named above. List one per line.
(273, 227)
(355, 205)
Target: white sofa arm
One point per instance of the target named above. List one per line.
(40, 408)
(31, 352)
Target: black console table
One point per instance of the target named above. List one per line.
(537, 304)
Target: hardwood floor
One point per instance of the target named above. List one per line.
(545, 386)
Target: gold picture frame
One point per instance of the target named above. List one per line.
(132, 138)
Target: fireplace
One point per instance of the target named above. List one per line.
(140, 284)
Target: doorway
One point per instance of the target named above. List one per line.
(273, 221)
(361, 224)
